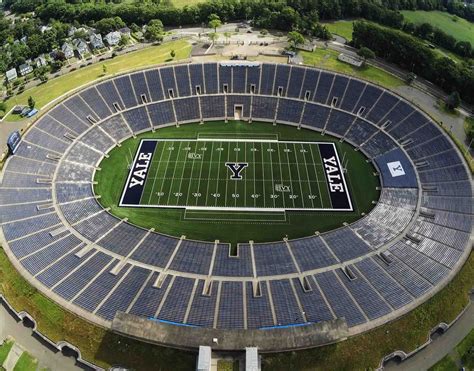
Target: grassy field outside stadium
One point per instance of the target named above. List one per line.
(342, 28)
(360, 352)
(54, 88)
(114, 172)
(457, 27)
(326, 58)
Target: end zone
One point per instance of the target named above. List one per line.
(135, 184)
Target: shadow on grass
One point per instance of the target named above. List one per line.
(118, 350)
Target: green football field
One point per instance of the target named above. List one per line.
(241, 174)
(188, 190)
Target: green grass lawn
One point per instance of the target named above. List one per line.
(326, 58)
(54, 88)
(111, 179)
(26, 363)
(463, 353)
(4, 350)
(461, 29)
(342, 28)
(182, 3)
(446, 364)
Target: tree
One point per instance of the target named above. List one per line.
(214, 22)
(172, 53)
(31, 102)
(295, 38)
(124, 39)
(104, 69)
(453, 100)
(40, 73)
(365, 53)
(3, 107)
(213, 36)
(410, 78)
(106, 25)
(154, 30)
(227, 36)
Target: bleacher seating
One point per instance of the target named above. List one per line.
(58, 232)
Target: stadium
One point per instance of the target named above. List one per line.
(235, 204)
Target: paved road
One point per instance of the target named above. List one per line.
(441, 346)
(47, 357)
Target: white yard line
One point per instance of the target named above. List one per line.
(299, 174)
(281, 178)
(182, 172)
(316, 173)
(173, 176)
(200, 174)
(154, 179)
(218, 174)
(307, 177)
(189, 183)
(209, 173)
(163, 182)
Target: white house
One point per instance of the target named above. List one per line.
(125, 31)
(43, 29)
(25, 69)
(67, 50)
(11, 75)
(81, 47)
(40, 61)
(96, 41)
(113, 38)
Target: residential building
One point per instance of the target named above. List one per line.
(40, 61)
(113, 38)
(25, 69)
(96, 41)
(81, 47)
(125, 31)
(11, 75)
(67, 50)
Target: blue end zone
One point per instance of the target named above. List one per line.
(136, 180)
(396, 170)
(337, 187)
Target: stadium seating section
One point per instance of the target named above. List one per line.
(415, 237)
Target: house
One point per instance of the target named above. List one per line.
(96, 41)
(11, 75)
(113, 38)
(72, 30)
(81, 47)
(67, 50)
(24, 39)
(125, 31)
(43, 29)
(40, 61)
(25, 69)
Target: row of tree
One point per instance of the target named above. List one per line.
(413, 55)
(13, 52)
(437, 36)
